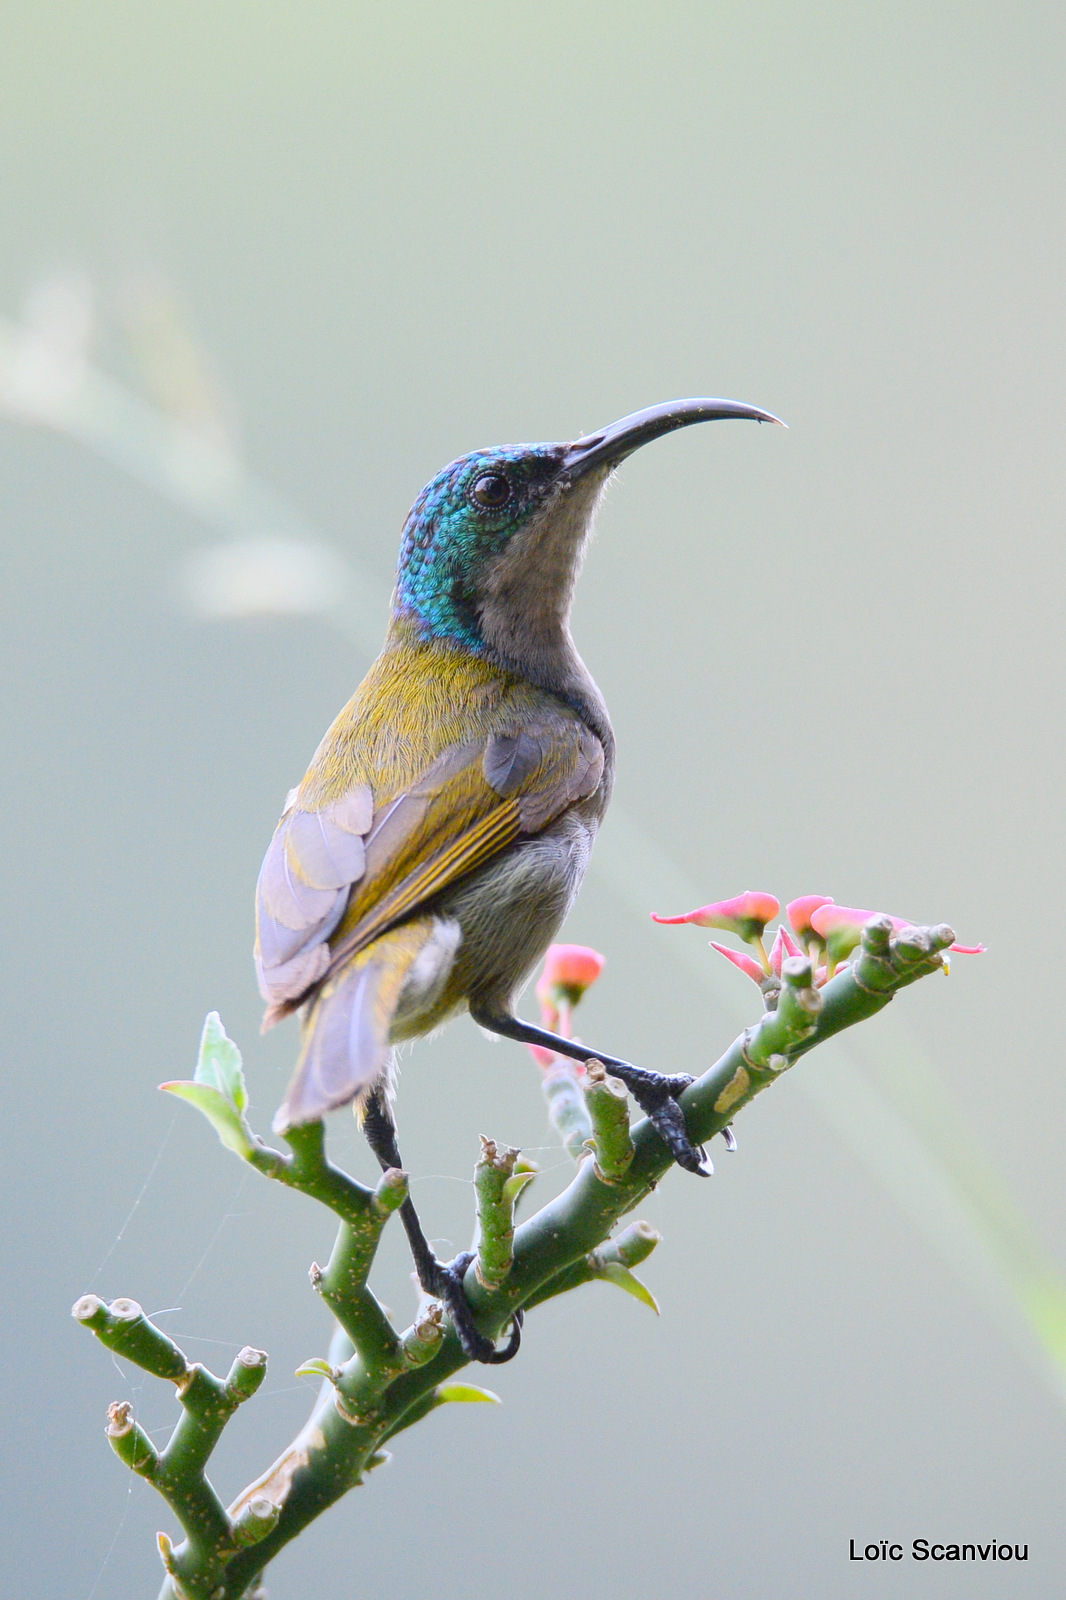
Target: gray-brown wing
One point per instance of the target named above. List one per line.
(333, 880)
(304, 884)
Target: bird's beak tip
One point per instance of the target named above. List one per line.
(609, 446)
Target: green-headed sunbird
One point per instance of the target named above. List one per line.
(442, 830)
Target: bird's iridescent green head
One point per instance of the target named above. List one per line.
(462, 521)
(493, 543)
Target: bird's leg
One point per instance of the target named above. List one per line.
(655, 1092)
(442, 1279)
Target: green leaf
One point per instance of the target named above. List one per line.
(468, 1392)
(614, 1272)
(515, 1184)
(316, 1368)
(220, 1112)
(219, 1063)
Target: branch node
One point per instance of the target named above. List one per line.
(634, 1244)
(245, 1375)
(123, 1327)
(496, 1195)
(129, 1441)
(391, 1191)
(424, 1338)
(608, 1106)
(256, 1518)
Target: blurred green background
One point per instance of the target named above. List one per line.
(266, 268)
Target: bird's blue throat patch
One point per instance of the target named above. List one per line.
(449, 538)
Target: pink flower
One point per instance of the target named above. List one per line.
(841, 928)
(569, 969)
(746, 915)
(747, 964)
(783, 945)
(799, 911)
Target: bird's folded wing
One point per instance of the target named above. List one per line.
(336, 878)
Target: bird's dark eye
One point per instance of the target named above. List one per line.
(491, 491)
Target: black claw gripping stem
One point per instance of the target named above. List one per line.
(655, 1092)
(441, 1279)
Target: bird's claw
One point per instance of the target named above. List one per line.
(668, 1120)
(447, 1286)
(656, 1094)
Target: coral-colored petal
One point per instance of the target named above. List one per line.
(569, 969)
(745, 915)
(747, 965)
(799, 911)
(828, 918)
(572, 964)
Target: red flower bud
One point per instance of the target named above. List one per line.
(569, 969)
(799, 911)
(746, 915)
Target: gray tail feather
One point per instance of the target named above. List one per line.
(345, 1048)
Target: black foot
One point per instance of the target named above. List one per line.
(656, 1095)
(442, 1279)
(655, 1092)
(447, 1285)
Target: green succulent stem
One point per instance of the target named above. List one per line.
(562, 1086)
(626, 1250)
(177, 1472)
(496, 1191)
(310, 1170)
(381, 1382)
(608, 1107)
(123, 1327)
(343, 1282)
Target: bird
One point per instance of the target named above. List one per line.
(441, 832)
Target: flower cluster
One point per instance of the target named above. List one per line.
(569, 970)
(822, 930)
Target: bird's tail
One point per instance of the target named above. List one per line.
(345, 1046)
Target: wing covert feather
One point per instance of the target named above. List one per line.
(476, 799)
(335, 878)
(313, 859)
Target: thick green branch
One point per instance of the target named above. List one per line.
(342, 1283)
(207, 1403)
(496, 1187)
(392, 1381)
(608, 1105)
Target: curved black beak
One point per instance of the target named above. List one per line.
(612, 444)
